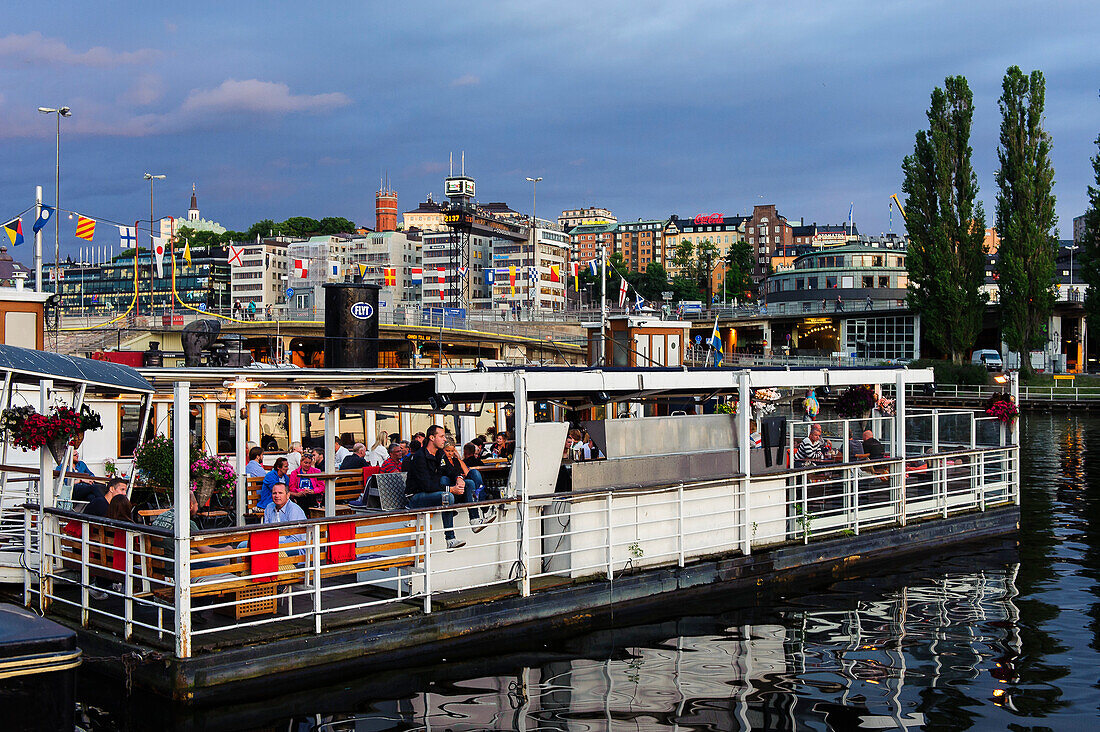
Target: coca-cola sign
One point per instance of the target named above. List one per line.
(714, 218)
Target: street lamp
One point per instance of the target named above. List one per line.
(534, 235)
(60, 112)
(152, 244)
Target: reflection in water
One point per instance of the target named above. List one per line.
(984, 637)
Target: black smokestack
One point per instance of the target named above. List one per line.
(351, 325)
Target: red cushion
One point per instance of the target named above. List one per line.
(266, 566)
(118, 556)
(341, 552)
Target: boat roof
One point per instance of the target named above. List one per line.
(497, 384)
(28, 365)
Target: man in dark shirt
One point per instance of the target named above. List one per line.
(433, 481)
(872, 447)
(357, 459)
(98, 506)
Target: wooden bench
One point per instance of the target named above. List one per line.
(348, 486)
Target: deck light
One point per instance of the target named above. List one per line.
(1001, 379)
(242, 384)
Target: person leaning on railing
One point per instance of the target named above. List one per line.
(101, 505)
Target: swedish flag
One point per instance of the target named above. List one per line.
(716, 343)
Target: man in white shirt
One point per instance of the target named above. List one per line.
(341, 453)
(294, 457)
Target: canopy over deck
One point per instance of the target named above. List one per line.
(27, 365)
(498, 384)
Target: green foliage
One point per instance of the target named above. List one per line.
(1025, 214)
(739, 271)
(946, 223)
(1090, 246)
(964, 374)
(155, 460)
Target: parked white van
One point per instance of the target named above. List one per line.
(987, 357)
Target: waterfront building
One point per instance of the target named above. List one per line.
(586, 240)
(585, 217)
(819, 236)
(396, 251)
(837, 291)
(108, 289)
(548, 255)
(767, 231)
(261, 277)
(640, 243)
(427, 216)
(311, 264)
(443, 254)
(721, 230)
(1078, 229)
(10, 271)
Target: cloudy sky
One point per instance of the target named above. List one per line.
(278, 109)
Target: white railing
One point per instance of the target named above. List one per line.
(342, 568)
(1027, 393)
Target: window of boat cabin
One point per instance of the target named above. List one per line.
(274, 425)
(227, 428)
(196, 426)
(388, 422)
(352, 426)
(313, 426)
(129, 422)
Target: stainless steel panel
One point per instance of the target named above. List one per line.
(623, 438)
(650, 470)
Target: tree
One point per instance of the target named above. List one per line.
(263, 228)
(946, 223)
(739, 271)
(1025, 215)
(336, 225)
(1090, 246)
(300, 226)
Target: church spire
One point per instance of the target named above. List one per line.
(193, 212)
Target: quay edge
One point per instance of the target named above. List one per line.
(247, 672)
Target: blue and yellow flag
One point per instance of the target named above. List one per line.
(716, 343)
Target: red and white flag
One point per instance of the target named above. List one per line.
(236, 256)
(160, 243)
(622, 292)
(301, 268)
(442, 276)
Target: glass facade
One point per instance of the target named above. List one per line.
(886, 337)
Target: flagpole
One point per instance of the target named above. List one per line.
(38, 239)
(603, 305)
(137, 303)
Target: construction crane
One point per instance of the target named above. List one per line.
(894, 198)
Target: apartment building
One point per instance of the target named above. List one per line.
(261, 276)
(585, 217)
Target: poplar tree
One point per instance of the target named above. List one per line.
(946, 224)
(1090, 247)
(1025, 215)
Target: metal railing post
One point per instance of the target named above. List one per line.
(85, 573)
(680, 524)
(980, 470)
(315, 545)
(519, 463)
(181, 428)
(610, 540)
(427, 518)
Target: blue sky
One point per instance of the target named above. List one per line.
(279, 109)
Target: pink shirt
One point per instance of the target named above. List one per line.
(300, 483)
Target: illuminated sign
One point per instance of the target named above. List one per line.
(362, 310)
(714, 218)
(458, 187)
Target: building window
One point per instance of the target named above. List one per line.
(884, 282)
(129, 422)
(830, 283)
(868, 281)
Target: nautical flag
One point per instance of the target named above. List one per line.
(43, 216)
(333, 268)
(14, 229)
(301, 268)
(593, 268)
(533, 275)
(639, 302)
(85, 227)
(490, 278)
(362, 270)
(622, 292)
(236, 256)
(555, 273)
(576, 268)
(127, 237)
(417, 275)
(715, 342)
(442, 275)
(160, 243)
(463, 271)
(389, 273)
(187, 252)
(512, 278)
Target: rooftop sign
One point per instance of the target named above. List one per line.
(714, 218)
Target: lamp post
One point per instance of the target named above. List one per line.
(534, 239)
(60, 112)
(152, 244)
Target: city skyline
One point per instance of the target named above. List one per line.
(645, 110)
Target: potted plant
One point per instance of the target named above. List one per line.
(1003, 407)
(29, 430)
(856, 402)
(210, 474)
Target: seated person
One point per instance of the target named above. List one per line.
(121, 509)
(433, 481)
(341, 453)
(855, 445)
(255, 467)
(276, 476)
(357, 459)
(812, 449)
(501, 448)
(476, 490)
(294, 456)
(282, 509)
(392, 464)
(101, 505)
(167, 520)
(871, 446)
(307, 492)
(319, 459)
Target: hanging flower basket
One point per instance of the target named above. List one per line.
(211, 474)
(856, 402)
(1003, 407)
(28, 430)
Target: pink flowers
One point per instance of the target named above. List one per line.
(30, 430)
(1003, 408)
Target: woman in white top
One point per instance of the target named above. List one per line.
(380, 450)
